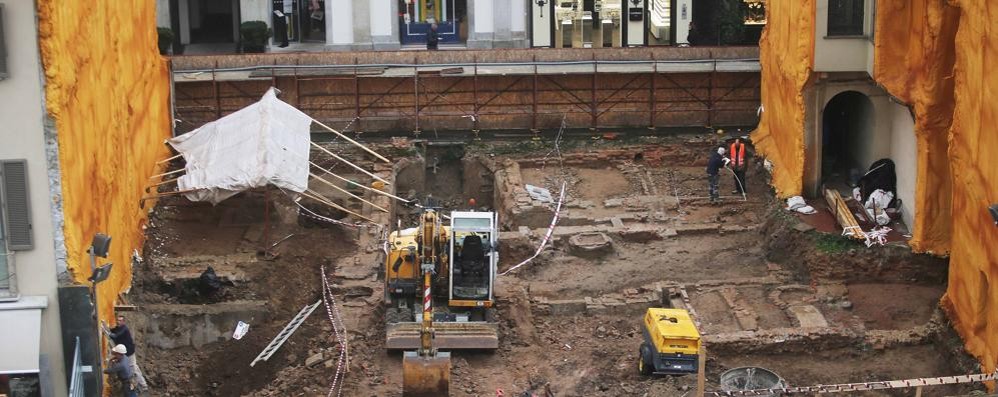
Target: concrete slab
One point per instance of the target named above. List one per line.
(808, 316)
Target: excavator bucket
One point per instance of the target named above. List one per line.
(448, 335)
(425, 376)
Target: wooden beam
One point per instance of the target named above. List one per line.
(312, 194)
(382, 158)
(168, 173)
(701, 369)
(167, 160)
(843, 215)
(349, 163)
(358, 184)
(161, 183)
(330, 184)
(173, 193)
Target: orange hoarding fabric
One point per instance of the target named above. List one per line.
(108, 91)
(787, 57)
(972, 295)
(913, 60)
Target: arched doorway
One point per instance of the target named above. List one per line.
(846, 136)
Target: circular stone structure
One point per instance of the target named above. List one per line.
(751, 378)
(590, 245)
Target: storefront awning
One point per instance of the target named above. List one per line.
(20, 334)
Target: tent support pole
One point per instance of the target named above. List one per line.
(266, 217)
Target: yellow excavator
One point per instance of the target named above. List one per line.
(444, 276)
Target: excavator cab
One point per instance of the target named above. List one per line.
(473, 259)
(463, 273)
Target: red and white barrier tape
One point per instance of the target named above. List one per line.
(877, 236)
(547, 236)
(339, 332)
(849, 387)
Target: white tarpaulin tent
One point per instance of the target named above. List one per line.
(264, 143)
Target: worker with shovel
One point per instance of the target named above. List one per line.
(739, 164)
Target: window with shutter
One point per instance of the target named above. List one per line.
(16, 206)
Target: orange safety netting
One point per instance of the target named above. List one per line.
(787, 56)
(972, 295)
(108, 90)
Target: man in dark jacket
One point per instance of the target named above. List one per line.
(432, 38)
(717, 160)
(121, 335)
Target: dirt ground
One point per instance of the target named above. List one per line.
(746, 269)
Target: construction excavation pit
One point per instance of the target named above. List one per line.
(581, 237)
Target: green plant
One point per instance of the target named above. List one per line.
(833, 243)
(254, 35)
(165, 39)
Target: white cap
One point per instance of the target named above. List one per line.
(720, 150)
(120, 349)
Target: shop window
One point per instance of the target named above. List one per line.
(845, 17)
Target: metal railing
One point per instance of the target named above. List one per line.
(76, 388)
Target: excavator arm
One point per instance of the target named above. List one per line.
(426, 371)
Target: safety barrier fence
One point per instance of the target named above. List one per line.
(76, 388)
(863, 386)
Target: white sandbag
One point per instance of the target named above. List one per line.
(807, 210)
(795, 202)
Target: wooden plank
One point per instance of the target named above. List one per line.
(843, 215)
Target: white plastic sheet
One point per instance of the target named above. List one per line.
(876, 205)
(264, 143)
(539, 193)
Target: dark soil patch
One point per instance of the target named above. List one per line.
(894, 306)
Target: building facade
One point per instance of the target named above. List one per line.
(849, 120)
(33, 351)
(350, 25)
(906, 80)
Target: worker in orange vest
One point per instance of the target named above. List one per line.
(739, 164)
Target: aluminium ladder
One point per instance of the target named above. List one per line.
(286, 333)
